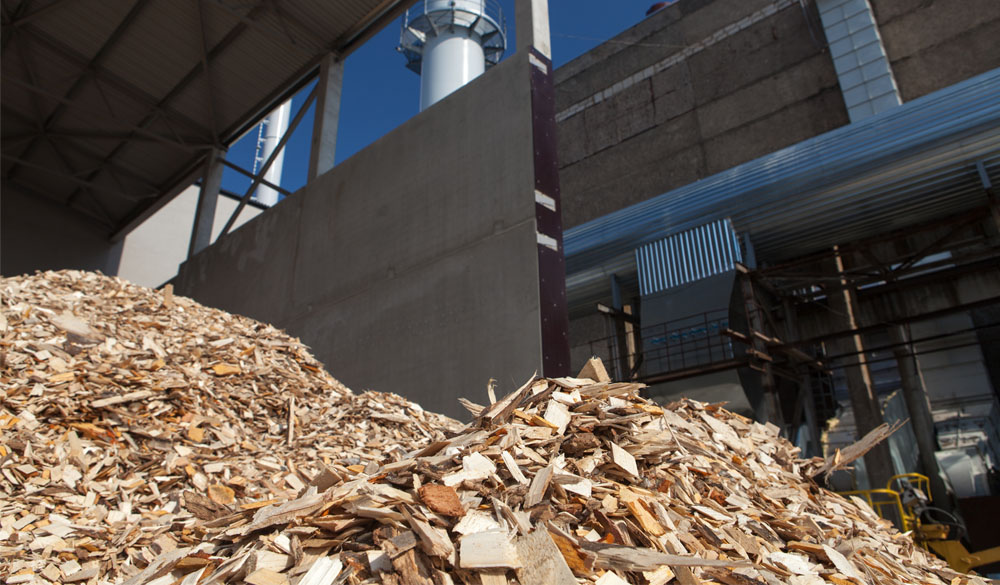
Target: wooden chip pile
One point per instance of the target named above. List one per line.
(565, 481)
(130, 417)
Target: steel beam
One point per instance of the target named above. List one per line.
(374, 21)
(251, 175)
(864, 402)
(133, 129)
(918, 406)
(88, 71)
(267, 164)
(209, 85)
(191, 75)
(87, 183)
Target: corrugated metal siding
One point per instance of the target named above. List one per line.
(902, 167)
(688, 256)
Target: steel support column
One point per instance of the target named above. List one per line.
(771, 407)
(864, 402)
(324, 137)
(919, 407)
(806, 399)
(208, 197)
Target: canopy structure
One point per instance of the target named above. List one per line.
(110, 107)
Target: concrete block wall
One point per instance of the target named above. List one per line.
(934, 44)
(412, 267)
(691, 91)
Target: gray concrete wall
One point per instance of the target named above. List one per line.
(689, 98)
(412, 267)
(38, 234)
(934, 44)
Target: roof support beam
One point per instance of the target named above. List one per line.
(191, 75)
(89, 70)
(374, 21)
(270, 160)
(208, 198)
(209, 85)
(226, 41)
(322, 155)
(110, 79)
(186, 143)
(82, 183)
(306, 49)
(18, 21)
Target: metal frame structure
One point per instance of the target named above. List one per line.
(110, 109)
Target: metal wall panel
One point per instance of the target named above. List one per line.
(692, 255)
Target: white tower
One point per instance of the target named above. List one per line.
(272, 129)
(450, 43)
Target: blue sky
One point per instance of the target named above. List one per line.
(379, 93)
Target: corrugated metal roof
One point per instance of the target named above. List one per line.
(905, 166)
(106, 103)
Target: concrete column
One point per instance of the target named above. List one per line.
(208, 197)
(864, 402)
(919, 407)
(531, 26)
(324, 137)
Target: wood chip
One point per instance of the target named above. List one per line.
(488, 550)
(158, 441)
(441, 499)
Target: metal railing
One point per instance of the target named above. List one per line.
(680, 344)
(484, 18)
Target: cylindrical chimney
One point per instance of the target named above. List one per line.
(450, 43)
(274, 127)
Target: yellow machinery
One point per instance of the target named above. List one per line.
(906, 502)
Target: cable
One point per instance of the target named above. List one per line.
(617, 42)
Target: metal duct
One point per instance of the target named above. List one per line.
(688, 256)
(904, 166)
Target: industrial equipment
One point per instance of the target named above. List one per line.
(906, 502)
(451, 42)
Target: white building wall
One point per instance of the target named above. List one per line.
(154, 251)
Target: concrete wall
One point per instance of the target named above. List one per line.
(412, 267)
(934, 44)
(38, 234)
(155, 250)
(691, 91)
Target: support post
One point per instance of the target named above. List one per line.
(991, 194)
(322, 156)
(531, 22)
(208, 197)
(772, 402)
(622, 364)
(807, 397)
(919, 407)
(864, 402)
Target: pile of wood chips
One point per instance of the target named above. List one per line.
(565, 481)
(131, 417)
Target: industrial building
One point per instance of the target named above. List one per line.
(786, 205)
